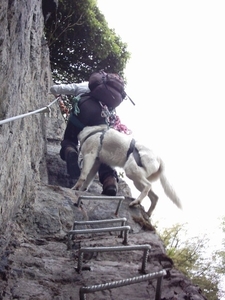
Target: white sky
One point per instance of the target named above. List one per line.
(176, 77)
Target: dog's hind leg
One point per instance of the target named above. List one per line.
(137, 175)
(144, 186)
(154, 199)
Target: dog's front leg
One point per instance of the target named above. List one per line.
(90, 167)
(83, 175)
(91, 175)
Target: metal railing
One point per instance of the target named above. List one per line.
(119, 198)
(146, 249)
(119, 283)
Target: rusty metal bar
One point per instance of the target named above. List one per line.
(144, 247)
(119, 198)
(126, 229)
(114, 284)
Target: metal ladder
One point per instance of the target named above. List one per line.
(124, 230)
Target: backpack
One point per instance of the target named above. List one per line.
(107, 88)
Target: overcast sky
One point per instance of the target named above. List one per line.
(176, 77)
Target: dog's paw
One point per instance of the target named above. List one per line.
(133, 203)
(75, 187)
(83, 189)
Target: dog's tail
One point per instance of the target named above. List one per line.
(168, 189)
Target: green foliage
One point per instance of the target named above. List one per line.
(221, 252)
(189, 256)
(81, 42)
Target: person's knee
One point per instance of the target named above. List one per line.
(71, 157)
(66, 146)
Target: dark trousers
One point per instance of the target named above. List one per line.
(89, 115)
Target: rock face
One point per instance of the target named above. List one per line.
(24, 77)
(37, 206)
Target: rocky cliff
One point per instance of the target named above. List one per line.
(37, 206)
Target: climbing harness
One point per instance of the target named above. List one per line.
(113, 120)
(94, 132)
(136, 154)
(102, 131)
(132, 149)
(80, 156)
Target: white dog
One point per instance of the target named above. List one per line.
(101, 144)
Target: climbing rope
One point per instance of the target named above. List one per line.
(43, 109)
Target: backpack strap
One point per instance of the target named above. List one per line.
(76, 109)
(78, 100)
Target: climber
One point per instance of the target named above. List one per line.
(89, 113)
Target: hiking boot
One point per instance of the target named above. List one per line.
(72, 162)
(110, 186)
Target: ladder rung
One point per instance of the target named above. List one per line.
(98, 230)
(114, 284)
(120, 198)
(144, 247)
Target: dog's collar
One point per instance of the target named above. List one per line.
(135, 152)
